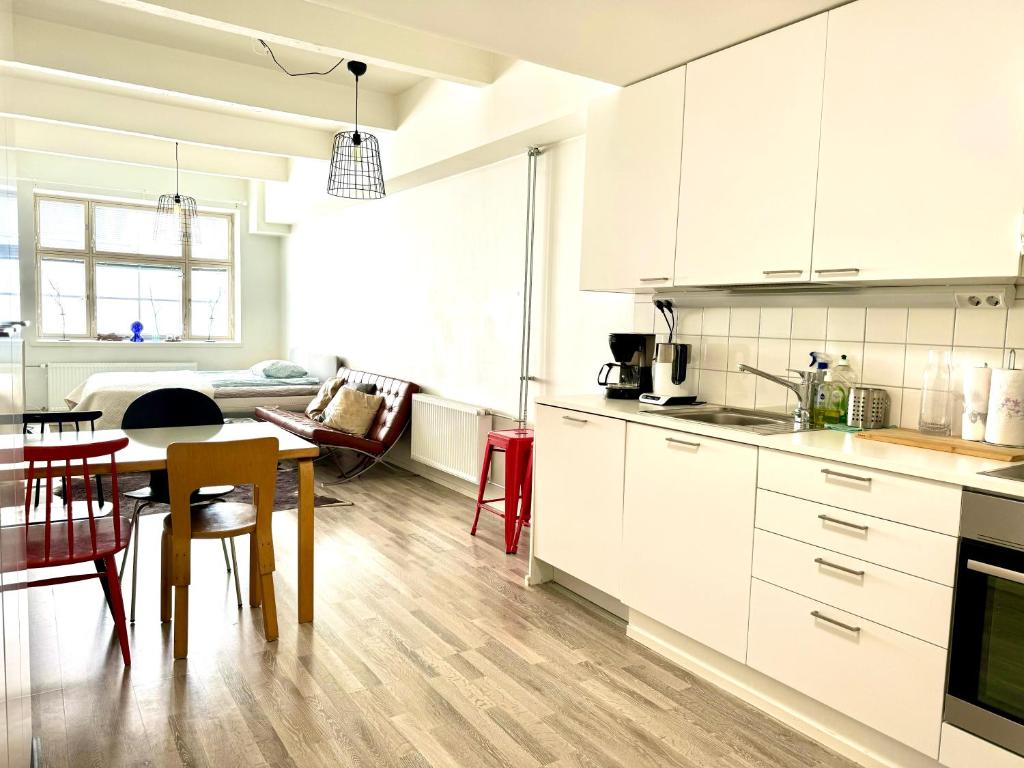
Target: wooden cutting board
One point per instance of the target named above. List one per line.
(946, 444)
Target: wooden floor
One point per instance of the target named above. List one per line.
(426, 651)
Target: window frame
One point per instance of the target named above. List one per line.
(13, 253)
(92, 257)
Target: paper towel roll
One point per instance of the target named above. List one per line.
(1005, 425)
(977, 388)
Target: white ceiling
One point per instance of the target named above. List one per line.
(617, 41)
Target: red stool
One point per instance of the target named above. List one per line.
(517, 445)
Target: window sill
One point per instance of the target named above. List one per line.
(144, 344)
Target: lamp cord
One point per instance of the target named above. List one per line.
(531, 220)
(177, 172)
(296, 74)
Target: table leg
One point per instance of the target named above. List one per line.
(305, 556)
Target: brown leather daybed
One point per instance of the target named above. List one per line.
(362, 452)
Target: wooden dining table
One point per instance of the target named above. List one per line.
(147, 451)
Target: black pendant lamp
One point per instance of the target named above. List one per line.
(177, 216)
(355, 162)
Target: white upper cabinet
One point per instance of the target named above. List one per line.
(921, 170)
(631, 190)
(750, 156)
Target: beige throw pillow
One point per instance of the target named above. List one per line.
(327, 392)
(352, 411)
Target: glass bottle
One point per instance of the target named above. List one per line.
(936, 397)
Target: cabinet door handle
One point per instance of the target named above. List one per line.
(822, 561)
(843, 271)
(677, 441)
(575, 420)
(836, 521)
(844, 476)
(653, 279)
(781, 272)
(848, 627)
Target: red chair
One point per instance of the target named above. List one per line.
(59, 535)
(517, 445)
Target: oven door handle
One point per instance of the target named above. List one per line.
(994, 570)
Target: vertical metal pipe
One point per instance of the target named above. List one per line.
(531, 224)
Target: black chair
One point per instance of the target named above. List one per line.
(42, 419)
(164, 408)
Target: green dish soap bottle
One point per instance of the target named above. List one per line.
(821, 396)
(841, 380)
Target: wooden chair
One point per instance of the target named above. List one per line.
(60, 538)
(194, 465)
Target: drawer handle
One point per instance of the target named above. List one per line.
(842, 271)
(844, 476)
(823, 562)
(575, 420)
(840, 624)
(837, 521)
(781, 272)
(653, 279)
(677, 441)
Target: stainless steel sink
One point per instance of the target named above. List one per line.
(749, 420)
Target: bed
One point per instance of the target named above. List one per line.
(238, 393)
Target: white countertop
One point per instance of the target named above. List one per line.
(822, 444)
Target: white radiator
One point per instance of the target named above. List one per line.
(449, 435)
(61, 378)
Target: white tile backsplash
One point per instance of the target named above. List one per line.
(776, 322)
(716, 321)
(809, 322)
(980, 328)
(883, 364)
(744, 321)
(887, 347)
(845, 324)
(928, 325)
(886, 324)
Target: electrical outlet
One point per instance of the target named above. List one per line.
(988, 299)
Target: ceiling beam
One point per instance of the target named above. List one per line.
(313, 27)
(59, 48)
(36, 99)
(77, 141)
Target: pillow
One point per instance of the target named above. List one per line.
(277, 369)
(366, 387)
(352, 411)
(327, 391)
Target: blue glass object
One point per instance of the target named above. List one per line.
(137, 332)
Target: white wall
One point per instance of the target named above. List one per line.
(426, 285)
(260, 268)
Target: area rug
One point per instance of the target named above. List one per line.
(286, 492)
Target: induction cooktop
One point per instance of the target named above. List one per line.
(1016, 472)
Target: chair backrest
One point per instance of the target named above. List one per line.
(41, 461)
(60, 418)
(234, 462)
(395, 411)
(172, 407)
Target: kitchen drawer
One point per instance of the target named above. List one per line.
(579, 462)
(688, 532)
(918, 607)
(885, 679)
(922, 503)
(904, 548)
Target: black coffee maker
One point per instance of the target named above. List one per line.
(632, 353)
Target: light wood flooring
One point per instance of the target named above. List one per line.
(426, 651)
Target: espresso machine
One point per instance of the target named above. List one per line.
(632, 354)
(673, 383)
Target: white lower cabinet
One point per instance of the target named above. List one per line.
(964, 750)
(578, 495)
(688, 525)
(888, 680)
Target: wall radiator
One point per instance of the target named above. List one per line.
(61, 378)
(448, 435)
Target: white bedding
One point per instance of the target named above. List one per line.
(113, 392)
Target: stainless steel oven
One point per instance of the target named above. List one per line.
(985, 684)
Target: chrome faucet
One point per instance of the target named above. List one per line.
(804, 390)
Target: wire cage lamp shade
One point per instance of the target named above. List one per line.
(177, 215)
(356, 171)
(355, 167)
